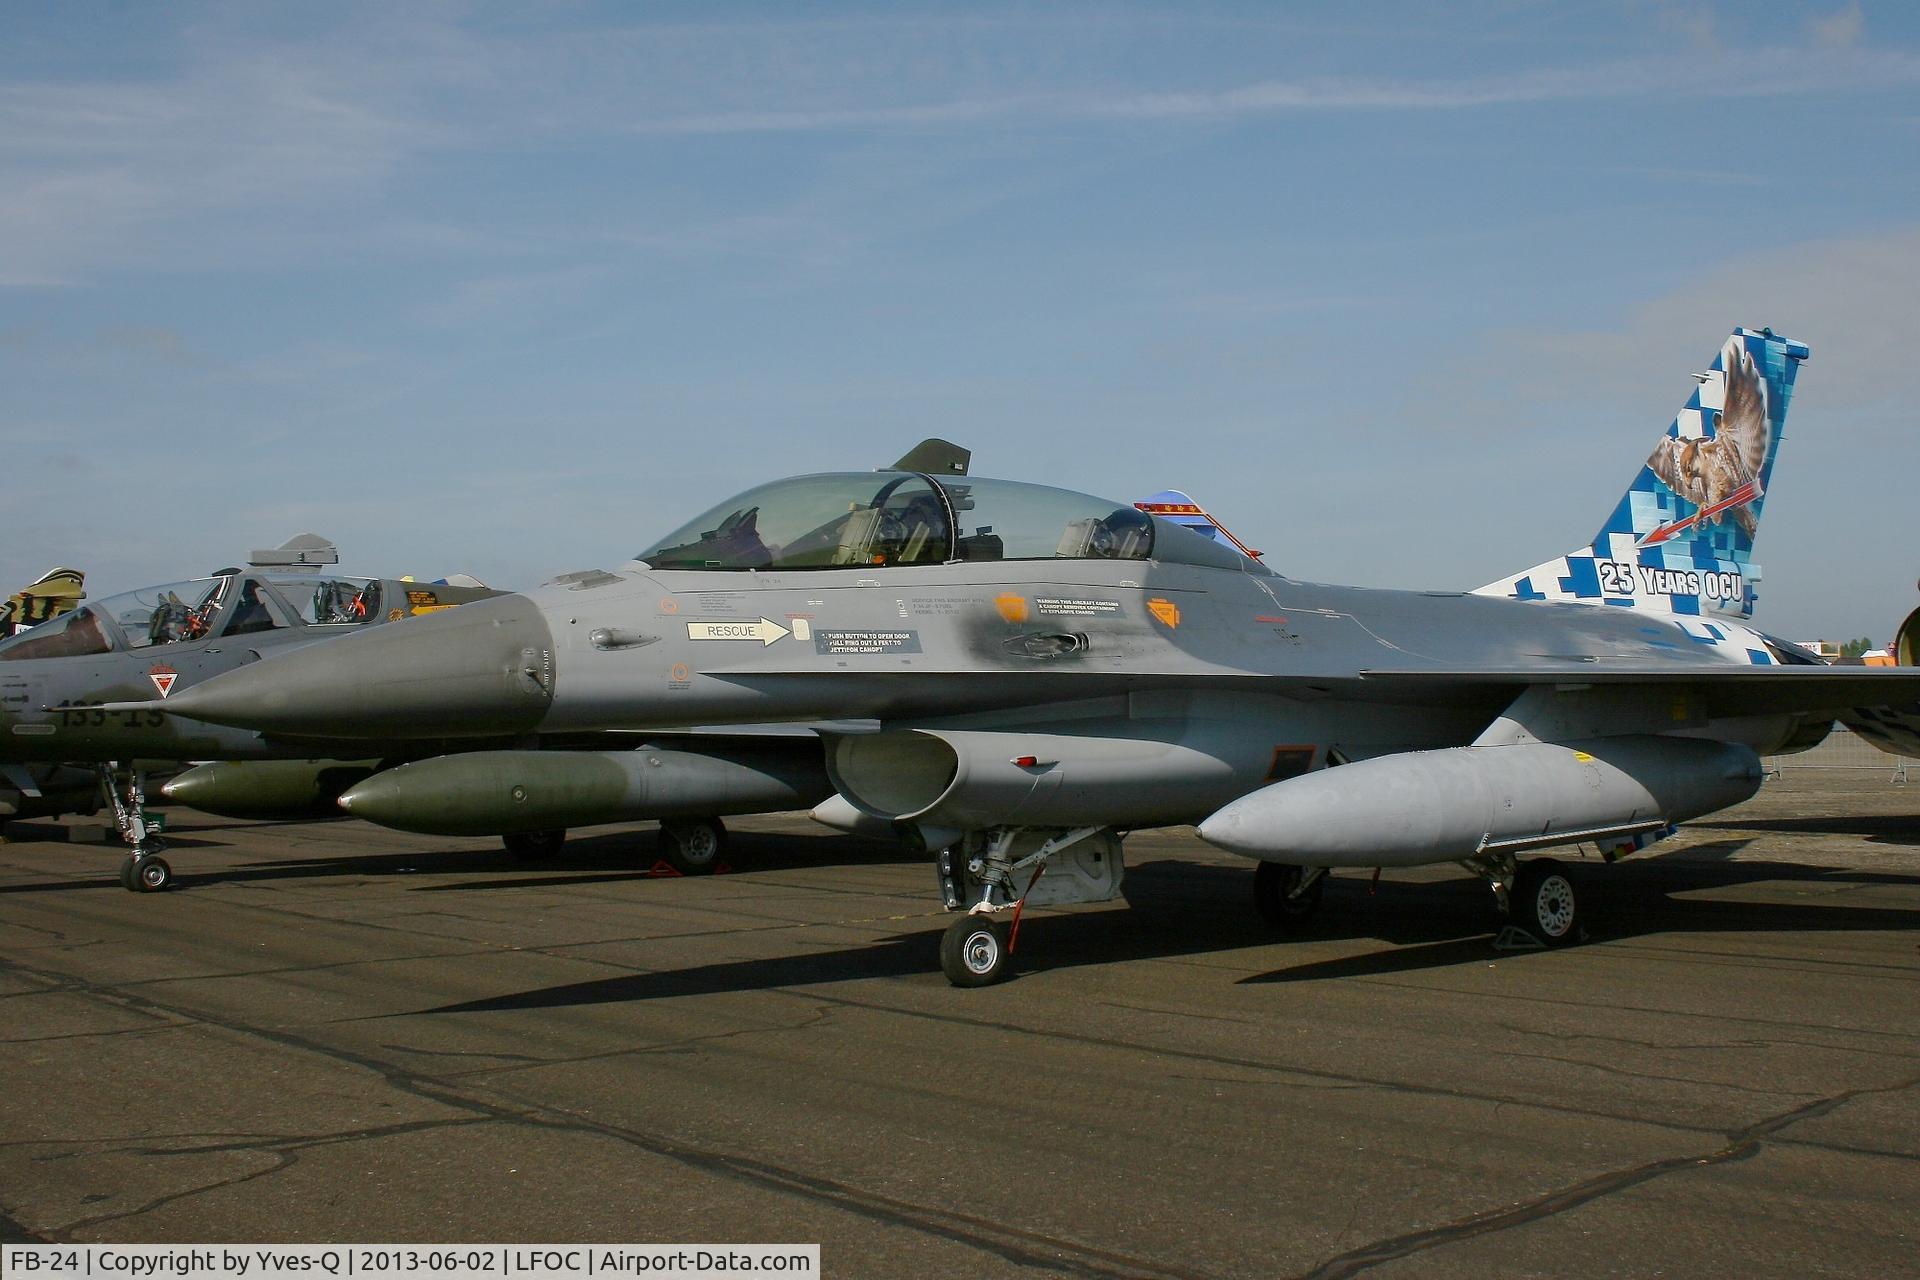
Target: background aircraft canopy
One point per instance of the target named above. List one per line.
(227, 605)
(875, 518)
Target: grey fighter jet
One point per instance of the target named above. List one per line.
(152, 644)
(1046, 670)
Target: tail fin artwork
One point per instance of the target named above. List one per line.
(1171, 504)
(52, 594)
(1681, 539)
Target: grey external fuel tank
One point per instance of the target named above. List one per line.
(1462, 802)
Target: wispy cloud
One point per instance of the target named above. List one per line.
(281, 135)
(1850, 299)
(1727, 74)
(87, 167)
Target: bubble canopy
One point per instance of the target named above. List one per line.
(869, 519)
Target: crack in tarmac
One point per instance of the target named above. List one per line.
(1011, 1244)
(1770, 964)
(1606, 1069)
(1588, 1006)
(1741, 1144)
(1309, 1075)
(286, 1151)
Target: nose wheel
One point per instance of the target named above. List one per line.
(974, 951)
(146, 871)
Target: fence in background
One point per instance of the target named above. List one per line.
(1843, 749)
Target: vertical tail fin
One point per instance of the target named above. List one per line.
(1173, 505)
(1681, 539)
(55, 592)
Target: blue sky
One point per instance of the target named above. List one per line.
(1403, 292)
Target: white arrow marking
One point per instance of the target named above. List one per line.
(766, 631)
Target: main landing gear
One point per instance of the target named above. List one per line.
(1287, 896)
(534, 846)
(125, 789)
(1001, 870)
(691, 846)
(1536, 896)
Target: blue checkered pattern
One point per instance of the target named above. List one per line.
(1620, 568)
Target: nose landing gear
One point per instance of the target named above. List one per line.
(125, 789)
(1001, 870)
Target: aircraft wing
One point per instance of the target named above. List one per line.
(1721, 690)
(1728, 691)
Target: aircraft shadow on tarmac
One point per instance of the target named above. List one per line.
(628, 855)
(1181, 909)
(607, 857)
(1875, 829)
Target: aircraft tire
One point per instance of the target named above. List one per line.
(149, 873)
(1272, 882)
(532, 846)
(1543, 902)
(973, 952)
(127, 880)
(694, 846)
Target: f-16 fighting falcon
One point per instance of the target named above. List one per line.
(1046, 670)
(160, 641)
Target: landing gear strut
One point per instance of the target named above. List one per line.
(125, 789)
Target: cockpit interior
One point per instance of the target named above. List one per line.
(225, 605)
(890, 518)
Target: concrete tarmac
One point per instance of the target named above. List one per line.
(330, 1032)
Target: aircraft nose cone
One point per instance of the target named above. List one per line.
(482, 668)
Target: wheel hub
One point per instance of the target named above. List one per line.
(1553, 904)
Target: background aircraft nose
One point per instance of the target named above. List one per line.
(482, 668)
